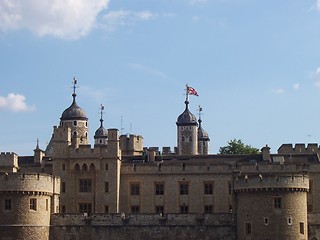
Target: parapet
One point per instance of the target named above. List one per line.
(260, 182)
(39, 183)
(8, 159)
(298, 148)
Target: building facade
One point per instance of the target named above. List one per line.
(85, 192)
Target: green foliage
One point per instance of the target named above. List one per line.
(237, 147)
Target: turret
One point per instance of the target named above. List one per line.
(203, 137)
(75, 118)
(101, 135)
(187, 137)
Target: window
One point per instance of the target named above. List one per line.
(208, 209)
(248, 228)
(63, 209)
(74, 123)
(208, 188)
(229, 188)
(302, 227)
(184, 209)
(159, 189)
(190, 139)
(289, 221)
(135, 189)
(266, 221)
(7, 204)
(106, 209)
(184, 188)
(106, 167)
(85, 208)
(63, 187)
(277, 202)
(47, 204)
(33, 204)
(85, 185)
(106, 187)
(183, 138)
(135, 209)
(159, 209)
(63, 166)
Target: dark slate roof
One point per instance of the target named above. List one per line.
(74, 112)
(186, 118)
(202, 134)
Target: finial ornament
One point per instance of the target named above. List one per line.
(101, 113)
(74, 87)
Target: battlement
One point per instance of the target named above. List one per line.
(259, 182)
(31, 183)
(9, 161)
(299, 148)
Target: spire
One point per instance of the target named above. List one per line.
(74, 89)
(37, 146)
(101, 114)
(200, 121)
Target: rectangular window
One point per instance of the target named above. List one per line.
(47, 204)
(106, 187)
(302, 227)
(229, 188)
(184, 209)
(106, 167)
(208, 188)
(135, 209)
(266, 221)
(277, 202)
(135, 189)
(63, 167)
(159, 209)
(33, 204)
(85, 185)
(184, 188)
(63, 187)
(248, 228)
(289, 221)
(159, 189)
(106, 209)
(85, 208)
(208, 209)
(7, 204)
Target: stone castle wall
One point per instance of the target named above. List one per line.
(143, 226)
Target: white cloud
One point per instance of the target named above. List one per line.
(15, 102)
(114, 19)
(316, 77)
(278, 91)
(296, 86)
(148, 70)
(67, 19)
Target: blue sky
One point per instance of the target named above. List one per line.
(255, 65)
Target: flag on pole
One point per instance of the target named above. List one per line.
(192, 91)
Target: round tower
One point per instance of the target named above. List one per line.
(187, 139)
(75, 118)
(101, 134)
(27, 200)
(203, 137)
(271, 206)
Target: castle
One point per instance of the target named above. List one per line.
(119, 189)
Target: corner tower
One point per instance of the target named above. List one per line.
(76, 119)
(187, 138)
(203, 137)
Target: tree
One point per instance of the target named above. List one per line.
(238, 147)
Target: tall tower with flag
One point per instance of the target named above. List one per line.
(187, 125)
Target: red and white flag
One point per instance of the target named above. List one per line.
(192, 91)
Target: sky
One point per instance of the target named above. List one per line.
(255, 65)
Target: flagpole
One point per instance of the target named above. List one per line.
(187, 92)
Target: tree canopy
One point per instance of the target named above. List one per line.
(236, 146)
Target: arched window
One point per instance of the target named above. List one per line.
(190, 139)
(92, 167)
(84, 167)
(77, 168)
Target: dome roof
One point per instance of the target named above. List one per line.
(101, 132)
(202, 134)
(186, 118)
(74, 112)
